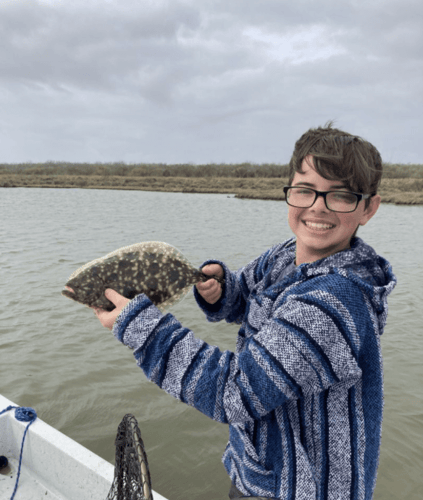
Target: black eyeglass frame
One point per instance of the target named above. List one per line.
(359, 197)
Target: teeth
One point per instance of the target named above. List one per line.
(317, 225)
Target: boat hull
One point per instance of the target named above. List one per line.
(52, 463)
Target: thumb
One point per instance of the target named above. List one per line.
(114, 297)
(211, 269)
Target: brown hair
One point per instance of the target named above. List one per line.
(339, 156)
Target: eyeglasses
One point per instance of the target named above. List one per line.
(335, 201)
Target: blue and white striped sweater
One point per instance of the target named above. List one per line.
(303, 394)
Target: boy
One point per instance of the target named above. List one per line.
(303, 394)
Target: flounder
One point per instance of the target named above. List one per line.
(154, 268)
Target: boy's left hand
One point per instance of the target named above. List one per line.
(107, 318)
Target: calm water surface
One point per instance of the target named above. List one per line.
(56, 357)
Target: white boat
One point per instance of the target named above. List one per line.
(54, 466)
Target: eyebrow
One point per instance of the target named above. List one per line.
(335, 186)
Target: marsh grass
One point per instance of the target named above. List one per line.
(401, 184)
(187, 170)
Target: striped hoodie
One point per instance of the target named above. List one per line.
(303, 393)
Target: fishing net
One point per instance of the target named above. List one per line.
(132, 476)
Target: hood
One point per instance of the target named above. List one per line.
(361, 264)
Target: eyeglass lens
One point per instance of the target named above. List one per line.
(338, 201)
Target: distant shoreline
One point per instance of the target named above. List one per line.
(404, 191)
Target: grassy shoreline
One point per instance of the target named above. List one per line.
(401, 191)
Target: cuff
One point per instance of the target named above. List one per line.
(138, 304)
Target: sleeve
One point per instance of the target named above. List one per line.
(236, 290)
(304, 348)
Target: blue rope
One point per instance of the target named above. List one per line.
(23, 414)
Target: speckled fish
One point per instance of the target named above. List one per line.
(155, 268)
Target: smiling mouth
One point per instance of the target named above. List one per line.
(318, 226)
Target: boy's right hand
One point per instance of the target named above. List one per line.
(211, 290)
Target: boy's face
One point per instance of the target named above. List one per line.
(314, 243)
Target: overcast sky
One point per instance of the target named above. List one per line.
(206, 80)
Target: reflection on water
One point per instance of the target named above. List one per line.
(57, 358)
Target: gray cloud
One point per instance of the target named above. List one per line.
(180, 81)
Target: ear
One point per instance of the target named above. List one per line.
(371, 209)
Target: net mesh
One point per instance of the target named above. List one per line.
(132, 476)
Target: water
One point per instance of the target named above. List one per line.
(56, 357)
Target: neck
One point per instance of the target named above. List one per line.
(299, 259)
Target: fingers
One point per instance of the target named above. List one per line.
(208, 286)
(210, 290)
(214, 297)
